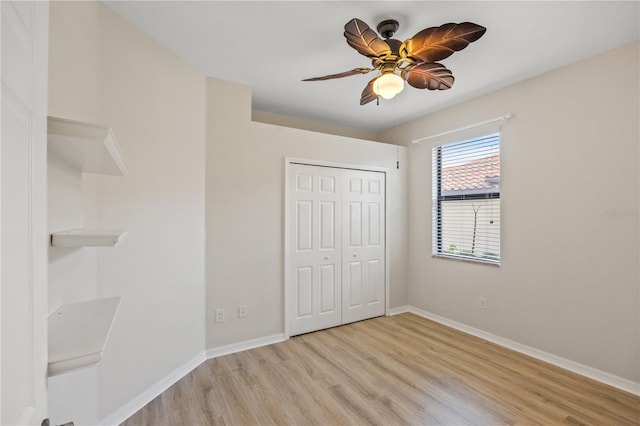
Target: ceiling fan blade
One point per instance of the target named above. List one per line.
(368, 95)
(430, 76)
(340, 74)
(362, 38)
(436, 43)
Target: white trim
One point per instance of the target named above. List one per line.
(245, 346)
(322, 163)
(387, 202)
(504, 117)
(130, 408)
(387, 239)
(285, 261)
(584, 370)
(398, 310)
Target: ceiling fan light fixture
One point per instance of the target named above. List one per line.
(415, 59)
(388, 85)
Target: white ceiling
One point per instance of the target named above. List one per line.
(272, 45)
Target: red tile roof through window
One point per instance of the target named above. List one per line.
(472, 175)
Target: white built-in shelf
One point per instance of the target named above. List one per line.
(88, 238)
(89, 148)
(78, 333)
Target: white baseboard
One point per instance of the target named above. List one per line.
(127, 410)
(398, 310)
(147, 396)
(246, 345)
(130, 408)
(567, 364)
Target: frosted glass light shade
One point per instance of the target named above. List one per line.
(388, 85)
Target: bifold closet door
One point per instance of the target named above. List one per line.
(336, 246)
(314, 257)
(363, 245)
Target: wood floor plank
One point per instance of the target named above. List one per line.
(550, 394)
(560, 388)
(399, 370)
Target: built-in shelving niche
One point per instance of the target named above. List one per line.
(78, 331)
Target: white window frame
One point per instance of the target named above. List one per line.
(438, 251)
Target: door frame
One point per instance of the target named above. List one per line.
(387, 204)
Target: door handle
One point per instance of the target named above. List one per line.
(355, 255)
(326, 258)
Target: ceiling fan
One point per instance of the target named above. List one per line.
(414, 60)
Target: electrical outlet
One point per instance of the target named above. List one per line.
(219, 315)
(242, 311)
(483, 302)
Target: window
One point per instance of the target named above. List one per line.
(466, 199)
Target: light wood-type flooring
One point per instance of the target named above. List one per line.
(386, 371)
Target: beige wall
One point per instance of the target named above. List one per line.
(312, 125)
(569, 279)
(245, 211)
(102, 70)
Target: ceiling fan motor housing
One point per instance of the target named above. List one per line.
(388, 28)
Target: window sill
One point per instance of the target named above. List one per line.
(468, 259)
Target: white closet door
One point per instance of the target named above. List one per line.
(336, 247)
(314, 248)
(23, 220)
(363, 246)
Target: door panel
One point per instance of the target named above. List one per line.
(374, 224)
(304, 211)
(355, 225)
(363, 287)
(23, 223)
(304, 183)
(336, 246)
(328, 184)
(328, 284)
(16, 277)
(374, 281)
(327, 225)
(315, 233)
(304, 292)
(353, 285)
(355, 185)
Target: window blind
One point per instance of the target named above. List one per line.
(466, 199)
